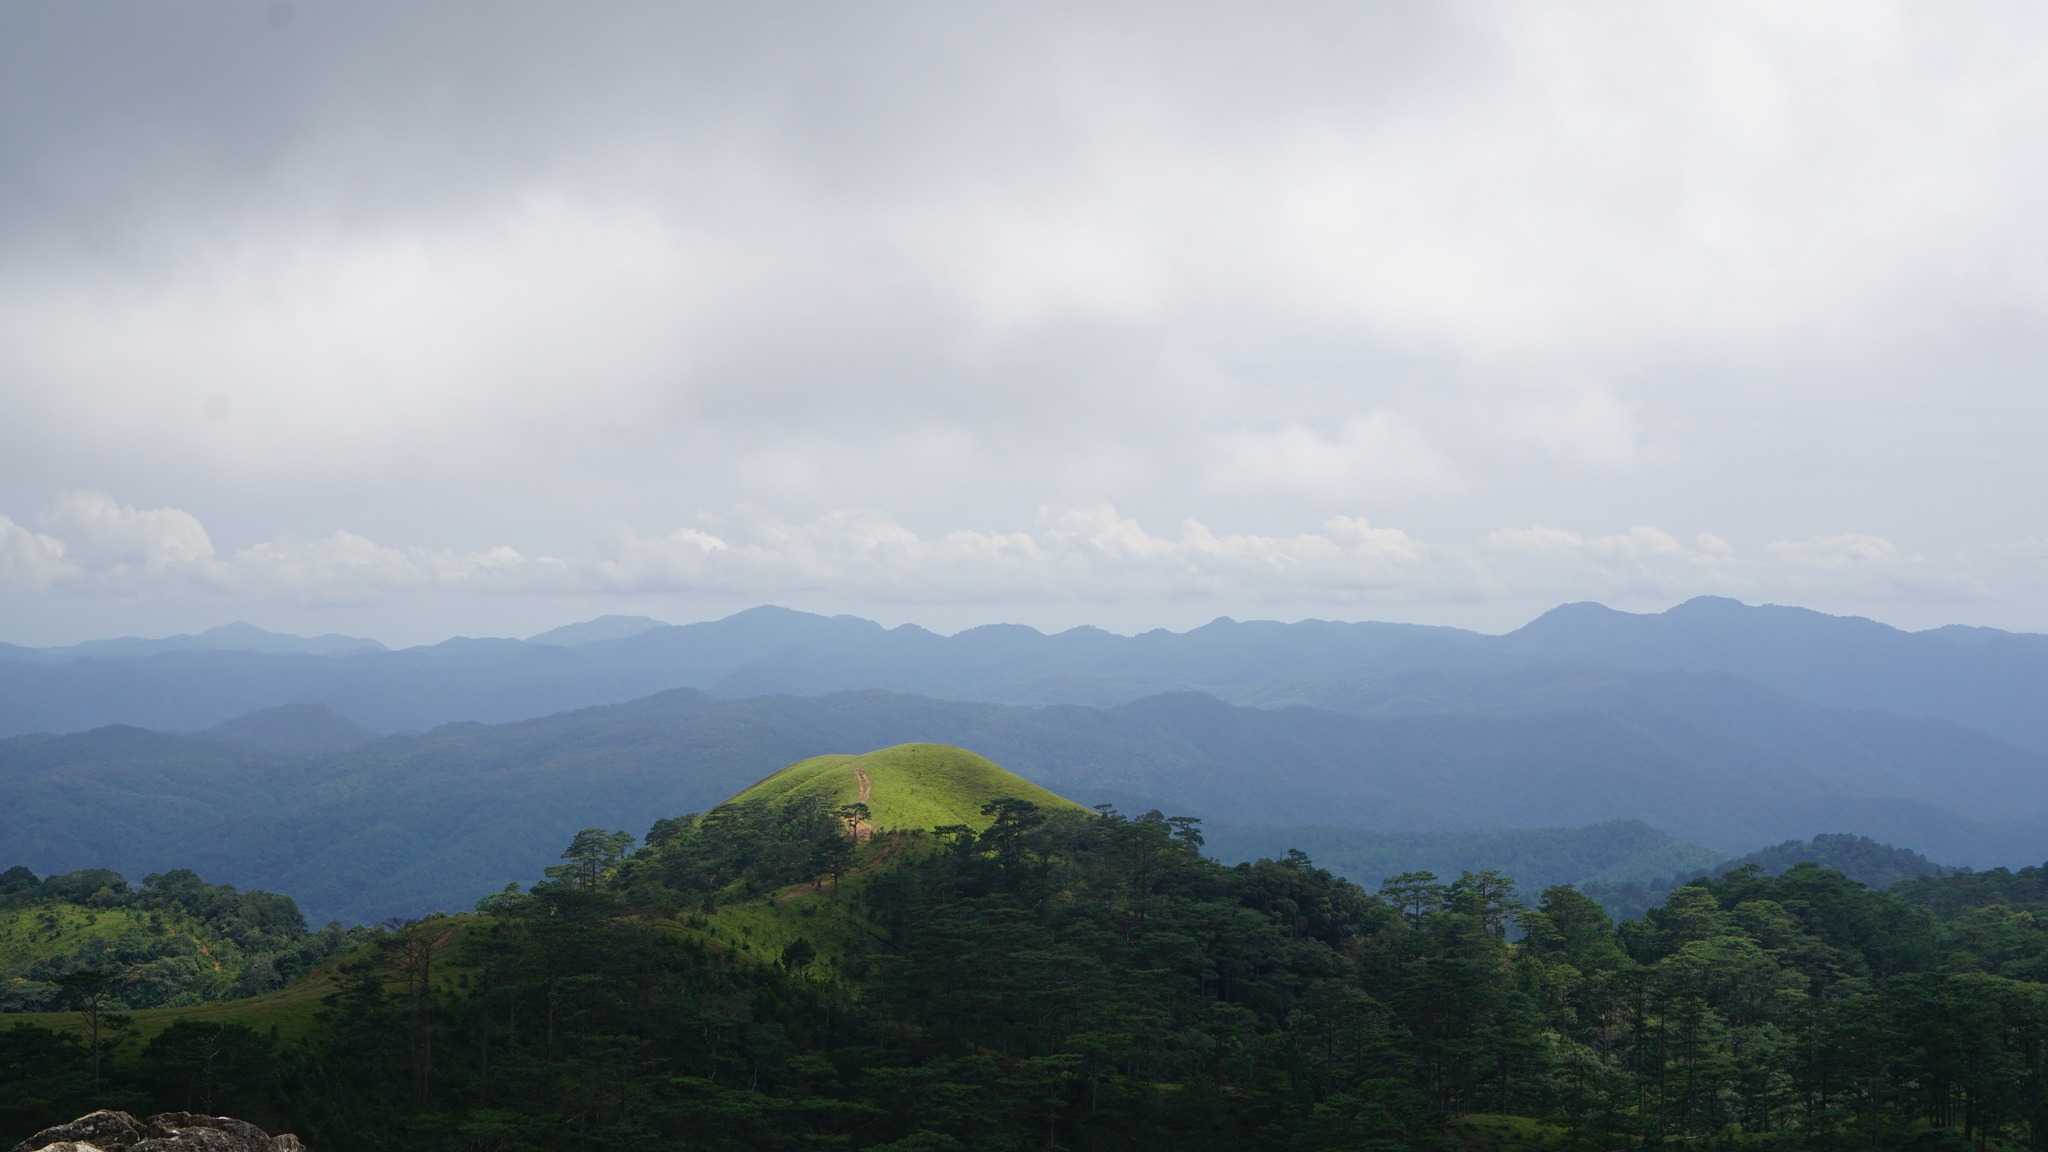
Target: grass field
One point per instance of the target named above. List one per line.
(38, 933)
(909, 786)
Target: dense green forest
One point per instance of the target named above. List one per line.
(1860, 858)
(754, 978)
(176, 940)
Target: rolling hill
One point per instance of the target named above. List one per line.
(909, 786)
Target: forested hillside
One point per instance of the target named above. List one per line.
(1874, 865)
(1722, 727)
(1059, 979)
(175, 940)
(410, 824)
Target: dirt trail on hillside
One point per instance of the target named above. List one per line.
(862, 830)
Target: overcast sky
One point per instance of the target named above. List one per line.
(415, 319)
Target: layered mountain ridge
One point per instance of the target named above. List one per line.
(1718, 726)
(1984, 679)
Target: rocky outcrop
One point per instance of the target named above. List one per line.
(165, 1132)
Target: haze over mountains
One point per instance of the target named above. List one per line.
(236, 637)
(1714, 725)
(1985, 679)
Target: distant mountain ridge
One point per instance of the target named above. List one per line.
(239, 636)
(1994, 682)
(602, 628)
(293, 730)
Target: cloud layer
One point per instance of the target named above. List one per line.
(493, 281)
(1069, 562)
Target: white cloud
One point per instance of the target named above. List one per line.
(91, 546)
(1090, 552)
(88, 537)
(1876, 570)
(104, 536)
(1848, 549)
(29, 559)
(1451, 267)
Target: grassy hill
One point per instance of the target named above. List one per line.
(769, 905)
(28, 935)
(909, 786)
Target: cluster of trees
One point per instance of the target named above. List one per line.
(1860, 858)
(1064, 981)
(1954, 894)
(733, 852)
(175, 940)
(49, 1076)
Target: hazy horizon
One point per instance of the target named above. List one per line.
(399, 641)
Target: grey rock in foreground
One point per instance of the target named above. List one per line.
(105, 1131)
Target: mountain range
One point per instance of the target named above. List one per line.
(369, 782)
(1992, 681)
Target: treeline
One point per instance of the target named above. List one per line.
(1957, 893)
(1860, 858)
(1065, 981)
(172, 941)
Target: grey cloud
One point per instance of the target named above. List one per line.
(496, 276)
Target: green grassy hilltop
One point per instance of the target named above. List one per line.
(778, 858)
(907, 787)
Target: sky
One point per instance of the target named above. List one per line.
(409, 320)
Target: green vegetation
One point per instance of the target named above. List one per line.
(174, 941)
(230, 1056)
(1624, 855)
(289, 1011)
(1860, 858)
(913, 786)
(1956, 893)
(781, 972)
